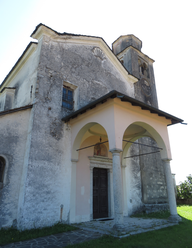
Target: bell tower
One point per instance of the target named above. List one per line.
(128, 50)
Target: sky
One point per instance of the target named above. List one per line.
(165, 28)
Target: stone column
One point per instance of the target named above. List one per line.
(171, 193)
(117, 188)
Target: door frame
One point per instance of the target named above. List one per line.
(104, 163)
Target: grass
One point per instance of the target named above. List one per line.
(179, 236)
(13, 235)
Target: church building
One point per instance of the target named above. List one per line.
(81, 134)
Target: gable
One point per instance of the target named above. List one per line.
(42, 30)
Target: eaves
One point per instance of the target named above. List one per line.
(124, 98)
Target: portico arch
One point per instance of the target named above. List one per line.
(145, 130)
(78, 139)
(136, 169)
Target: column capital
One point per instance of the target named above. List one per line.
(115, 150)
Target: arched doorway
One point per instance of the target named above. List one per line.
(92, 167)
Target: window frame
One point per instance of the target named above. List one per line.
(66, 100)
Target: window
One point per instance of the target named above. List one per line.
(143, 68)
(2, 168)
(67, 101)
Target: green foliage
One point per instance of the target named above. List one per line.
(11, 235)
(184, 190)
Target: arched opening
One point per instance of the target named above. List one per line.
(93, 130)
(2, 171)
(92, 167)
(144, 178)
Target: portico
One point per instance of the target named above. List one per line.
(115, 117)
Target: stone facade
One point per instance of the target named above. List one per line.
(36, 143)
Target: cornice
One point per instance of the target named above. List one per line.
(101, 162)
(10, 111)
(43, 30)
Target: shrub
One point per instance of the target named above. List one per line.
(184, 190)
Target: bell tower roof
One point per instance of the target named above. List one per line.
(125, 41)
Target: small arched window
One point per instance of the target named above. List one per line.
(2, 169)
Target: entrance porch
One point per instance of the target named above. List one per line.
(115, 117)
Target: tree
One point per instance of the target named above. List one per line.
(184, 190)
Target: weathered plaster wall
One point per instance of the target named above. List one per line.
(49, 172)
(13, 138)
(142, 92)
(49, 164)
(133, 182)
(49, 168)
(145, 180)
(152, 174)
(85, 66)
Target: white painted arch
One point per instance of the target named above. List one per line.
(115, 116)
(150, 132)
(81, 135)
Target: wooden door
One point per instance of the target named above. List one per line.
(100, 193)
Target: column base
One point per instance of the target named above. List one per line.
(119, 220)
(119, 228)
(175, 218)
